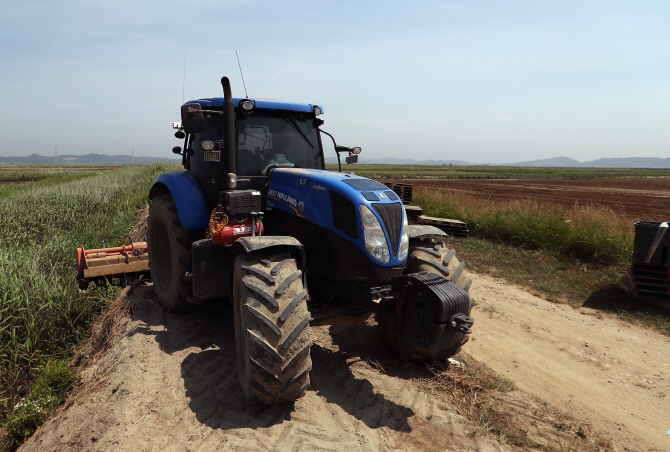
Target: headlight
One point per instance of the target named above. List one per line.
(246, 104)
(404, 241)
(375, 239)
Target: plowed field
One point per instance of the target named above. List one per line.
(638, 198)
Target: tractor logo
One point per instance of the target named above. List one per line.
(301, 207)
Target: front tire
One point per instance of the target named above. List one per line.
(169, 246)
(432, 257)
(271, 328)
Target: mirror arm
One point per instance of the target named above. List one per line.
(339, 164)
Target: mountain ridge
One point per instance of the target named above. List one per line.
(565, 162)
(86, 158)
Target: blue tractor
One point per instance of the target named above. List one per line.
(256, 219)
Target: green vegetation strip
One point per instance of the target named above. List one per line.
(11, 188)
(492, 172)
(24, 176)
(589, 234)
(42, 315)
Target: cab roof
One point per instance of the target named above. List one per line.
(258, 103)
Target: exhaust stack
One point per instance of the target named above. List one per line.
(228, 126)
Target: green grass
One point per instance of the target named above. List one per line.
(42, 315)
(45, 396)
(59, 177)
(492, 172)
(589, 234)
(22, 176)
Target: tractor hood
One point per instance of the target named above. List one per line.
(333, 200)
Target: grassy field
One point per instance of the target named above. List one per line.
(23, 173)
(42, 315)
(492, 172)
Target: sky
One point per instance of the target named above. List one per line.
(479, 81)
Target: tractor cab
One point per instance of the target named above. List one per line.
(268, 134)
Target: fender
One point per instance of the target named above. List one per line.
(245, 245)
(251, 244)
(187, 197)
(418, 230)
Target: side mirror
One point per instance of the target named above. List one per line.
(179, 134)
(176, 150)
(356, 150)
(191, 118)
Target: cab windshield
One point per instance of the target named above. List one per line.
(284, 139)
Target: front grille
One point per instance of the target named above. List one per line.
(392, 217)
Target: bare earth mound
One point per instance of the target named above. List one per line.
(170, 383)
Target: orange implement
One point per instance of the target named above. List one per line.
(94, 265)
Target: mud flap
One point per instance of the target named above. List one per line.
(210, 269)
(432, 312)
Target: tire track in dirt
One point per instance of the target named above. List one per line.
(171, 384)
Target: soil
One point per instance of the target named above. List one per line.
(635, 198)
(170, 383)
(598, 368)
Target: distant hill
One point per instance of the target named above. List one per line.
(623, 162)
(395, 161)
(87, 158)
(555, 162)
(629, 162)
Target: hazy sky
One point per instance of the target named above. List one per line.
(481, 81)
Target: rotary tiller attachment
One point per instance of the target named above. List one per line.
(112, 265)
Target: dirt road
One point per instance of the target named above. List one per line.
(170, 384)
(596, 367)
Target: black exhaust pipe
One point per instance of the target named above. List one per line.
(228, 125)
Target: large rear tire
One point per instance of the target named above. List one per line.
(271, 328)
(432, 257)
(169, 246)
